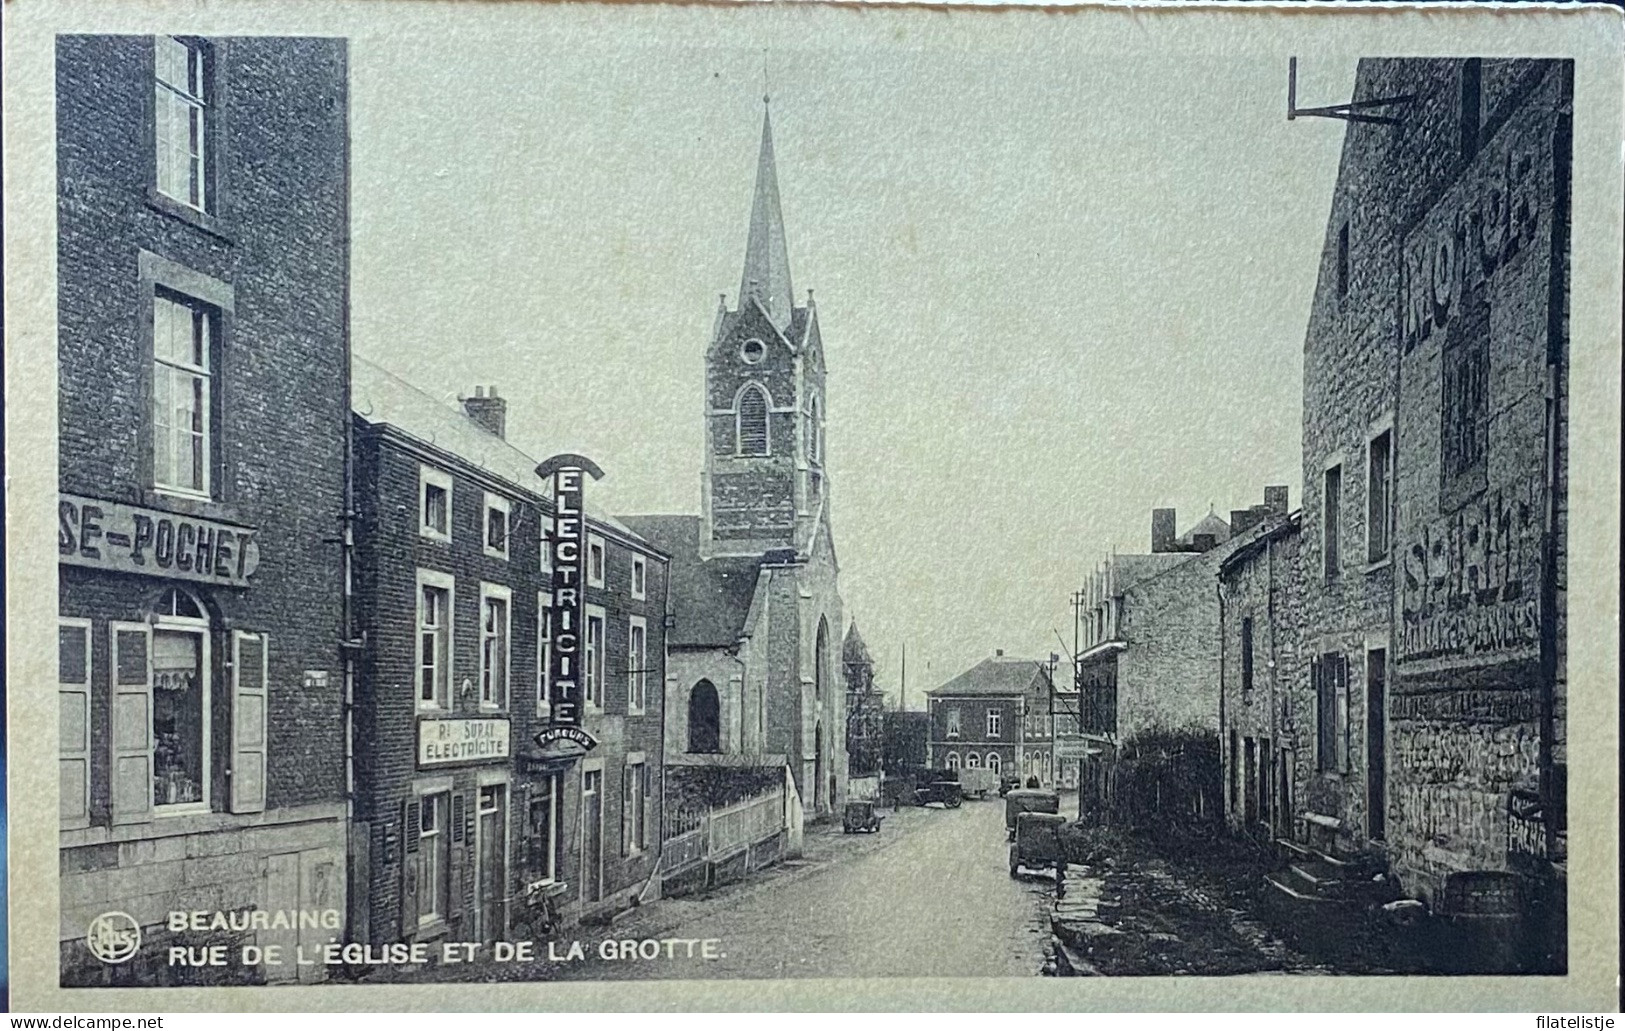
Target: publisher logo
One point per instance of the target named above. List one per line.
(113, 937)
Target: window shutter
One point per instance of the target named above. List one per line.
(250, 667)
(457, 810)
(411, 828)
(73, 703)
(132, 722)
(1342, 666)
(643, 825)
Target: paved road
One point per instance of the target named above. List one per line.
(930, 895)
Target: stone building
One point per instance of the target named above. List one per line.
(1434, 529)
(987, 717)
(461, 817)
(1260, 630)
(865, 710)
(1148, 671)
(203, 278)
(755, 670)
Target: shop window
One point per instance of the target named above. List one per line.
(434, 857)
(498, 514)
(494, 634)
(434, 503)
(750, 421)
(637, 669)
(544, 827)
(434, 635)
(1379, 497)
(180, 705)
(595, 657)
(183, 351)
(181, 115)
(995, 722)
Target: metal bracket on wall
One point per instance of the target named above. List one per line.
(1353, 111)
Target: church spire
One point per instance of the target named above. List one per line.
(767, 258)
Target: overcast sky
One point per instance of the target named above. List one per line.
(1057, 287)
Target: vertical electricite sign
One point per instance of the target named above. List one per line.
(566, 617)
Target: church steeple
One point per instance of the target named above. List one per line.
(767, 258)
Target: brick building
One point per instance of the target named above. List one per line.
(1434, 534)
(1148, 671)
(203, 271)
(756, 676)
(461, 819)
(990, 715)
(1260, 634)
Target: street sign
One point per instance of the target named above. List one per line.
(569, 562)
(1074, 748)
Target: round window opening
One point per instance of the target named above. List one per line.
(753, 351)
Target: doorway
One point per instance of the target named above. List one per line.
(1376, 743)
(819, 801)
(592, 835)
(492, 880)
(704, 719)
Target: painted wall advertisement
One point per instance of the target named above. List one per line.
(1475, 297)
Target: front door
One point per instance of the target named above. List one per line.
(493, 862)
(1376, 740)
(592, 835)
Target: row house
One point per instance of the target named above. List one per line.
(203, 277)
(1148, 667)
(1434, 458)
(468, 828)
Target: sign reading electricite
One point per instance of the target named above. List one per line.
(129, 539)
(461, 741)
(566, 616)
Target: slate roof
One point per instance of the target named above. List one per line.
(1001, 675)
(379, 396)
(709, 598)
(1211, 523)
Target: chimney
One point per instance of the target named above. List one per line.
(1203, 542)
(1163, 533)
(1275, 499)
(489, 410)
(1244, 519)
(998, 653)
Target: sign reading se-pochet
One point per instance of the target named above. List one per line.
(123, 538)
(462, 741)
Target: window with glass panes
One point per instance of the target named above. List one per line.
(494, 651)
(434, 644)
(179, 114)
(434, 850)
(595, 658)
(637, 656)
(182, 394)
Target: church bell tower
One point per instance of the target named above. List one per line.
(765, 488)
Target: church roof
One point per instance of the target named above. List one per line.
(381, 397)
(710, 598)
(767, 256)
(1001, 675)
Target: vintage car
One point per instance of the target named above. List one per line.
(1036, 847)
(1027, 800)
(1008, 782)
(942, 786)
(860, 816)
(977, 782)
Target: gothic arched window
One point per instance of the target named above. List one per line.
(750, 418)
(815, 435)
